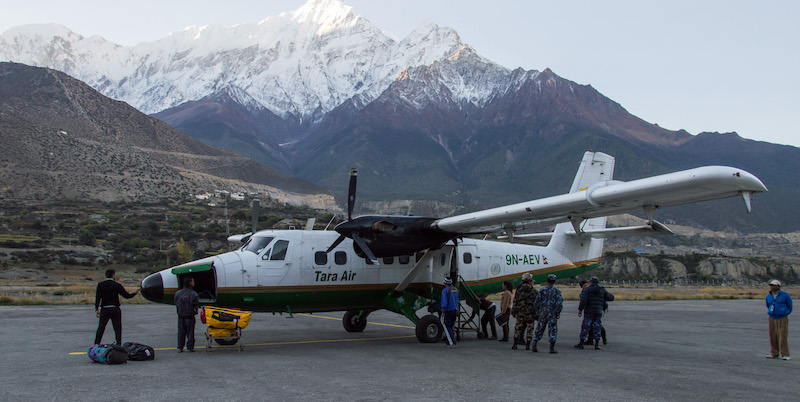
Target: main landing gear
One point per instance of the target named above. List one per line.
(429, 329)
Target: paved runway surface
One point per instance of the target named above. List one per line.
(657, 350)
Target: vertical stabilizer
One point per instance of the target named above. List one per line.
(595, 167)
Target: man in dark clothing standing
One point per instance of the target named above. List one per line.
(593, 298)
(106, 305)
(186, 301)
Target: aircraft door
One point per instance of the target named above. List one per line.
(273, 264)
(468, 262)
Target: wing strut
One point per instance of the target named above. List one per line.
(414, 271)
(649, 210)
(576, 224)
(746, 197)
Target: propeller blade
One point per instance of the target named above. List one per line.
(361, 243)
(338, 241)
(351, 193)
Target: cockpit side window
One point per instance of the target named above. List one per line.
(279, 250)
(257, 244)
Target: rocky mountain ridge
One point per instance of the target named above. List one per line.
(62, 139)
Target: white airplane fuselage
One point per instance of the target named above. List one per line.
(307, 279)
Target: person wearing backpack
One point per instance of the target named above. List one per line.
(106, 305)
(186, 302)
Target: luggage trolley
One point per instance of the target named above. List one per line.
(224, 325)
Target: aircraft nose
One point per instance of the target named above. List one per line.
(153, 288)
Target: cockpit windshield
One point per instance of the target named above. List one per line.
(257, 244)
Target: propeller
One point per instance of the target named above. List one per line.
(352, 230)
(386, 235)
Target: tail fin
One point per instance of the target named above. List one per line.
(595, 167)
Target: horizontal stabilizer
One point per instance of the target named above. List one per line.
(657, 228)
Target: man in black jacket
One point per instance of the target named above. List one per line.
(593, 298)
(186, 301)
(106, 305)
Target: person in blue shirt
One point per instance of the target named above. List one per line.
(779, 306)
(450, 303)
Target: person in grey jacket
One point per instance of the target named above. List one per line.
(186, 301)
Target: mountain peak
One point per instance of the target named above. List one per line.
(329, 15)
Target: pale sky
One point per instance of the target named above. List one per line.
(709, 65)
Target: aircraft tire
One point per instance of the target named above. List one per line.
(429, 329)
(352, 323)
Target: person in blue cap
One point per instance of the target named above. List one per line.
(548, 306)
(593, 299)
(450, 303)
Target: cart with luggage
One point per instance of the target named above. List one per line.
(224, 326)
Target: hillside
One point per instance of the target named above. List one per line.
(62, 139)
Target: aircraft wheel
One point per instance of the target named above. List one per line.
(429, 329)
(352, 323)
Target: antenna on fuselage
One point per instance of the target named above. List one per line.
(256, 205)
(330, 221)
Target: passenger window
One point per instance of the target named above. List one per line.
(340, 258)
(442, 259)
(279, 250)
(321, 258)
(418, 256)
(388, 260)
(467, 258)
(404, 259)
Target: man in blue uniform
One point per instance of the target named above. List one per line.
(779, 306)
(548, 306)
(450, 303)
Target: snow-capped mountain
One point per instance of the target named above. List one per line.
(318, 90)
(299, 64)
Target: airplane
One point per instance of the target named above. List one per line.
(398, 263)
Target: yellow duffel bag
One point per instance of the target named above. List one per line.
(218, 317)
(221, 332)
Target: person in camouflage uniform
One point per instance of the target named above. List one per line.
(523, 311)
(548, 306)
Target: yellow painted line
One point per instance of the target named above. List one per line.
(18, 308)
(326, 341)
(301, 342)
(283, 343)
(370, 323)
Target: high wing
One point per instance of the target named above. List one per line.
(607, 198)
(593, 194)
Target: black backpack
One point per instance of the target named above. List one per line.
(137, 351)
(116, 354)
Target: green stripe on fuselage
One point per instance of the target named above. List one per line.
(323, 298)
